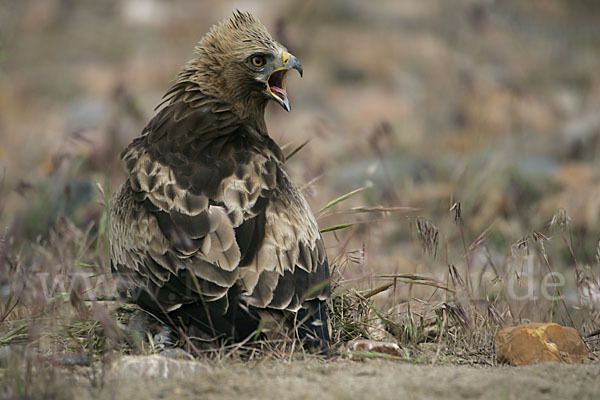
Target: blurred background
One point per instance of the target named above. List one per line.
(423, 104)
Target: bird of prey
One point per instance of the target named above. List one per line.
(208, 229)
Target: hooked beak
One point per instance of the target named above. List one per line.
(276, 81)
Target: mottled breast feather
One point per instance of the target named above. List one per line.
(207, 207)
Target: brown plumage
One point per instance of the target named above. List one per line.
(208, 225)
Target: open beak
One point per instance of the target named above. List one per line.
(276, 81)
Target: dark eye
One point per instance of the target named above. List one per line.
(257, 61)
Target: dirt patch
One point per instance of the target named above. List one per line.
(375, 379)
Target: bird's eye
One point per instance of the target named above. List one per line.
(257, 61)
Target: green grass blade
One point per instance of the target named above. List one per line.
(336, 228)
(340, 199)
(297, 149)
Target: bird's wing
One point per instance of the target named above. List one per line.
(290, 266)
(219, 209)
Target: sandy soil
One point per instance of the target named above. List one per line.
(372, 379)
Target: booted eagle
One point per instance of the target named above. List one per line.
(208, 230)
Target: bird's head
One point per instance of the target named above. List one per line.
(239, 62)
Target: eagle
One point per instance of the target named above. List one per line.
(208, 230)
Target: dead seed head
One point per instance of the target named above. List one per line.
(428, 235)
(459, 314)
(457, 211)
(457, 280)
(521, 247)
(560, 219)
(540, 237)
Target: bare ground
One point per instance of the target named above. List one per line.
(373, 379)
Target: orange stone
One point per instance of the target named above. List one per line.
(539, 342)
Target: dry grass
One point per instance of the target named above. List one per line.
(462, 314)
(59, 306)
(453, 182)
